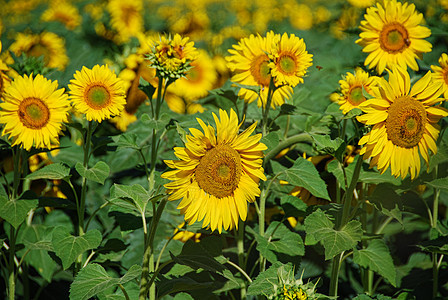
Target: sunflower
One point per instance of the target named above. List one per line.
(352, 87)
(46, 44)
(97, 92)
(362, 3)
(290, 60)
(404, 122)
(216, 175)
(63, 12)
(126, 17)
(249, 61)
(392, 35)
(123, 120)
(198, 80)
(441, 72)
(33, 111)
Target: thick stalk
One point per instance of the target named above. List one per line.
(298, 138)
(435, 264)
(82, 203)
(271, 91)
(240, 247)
(335, 275)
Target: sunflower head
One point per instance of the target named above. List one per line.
(404, 122)
(289, 60)
(441, 73)
(392, 35)
(126, 18)
(171, 57)
(98, 93)
(217, 174)
(33, 112)
(353, 89)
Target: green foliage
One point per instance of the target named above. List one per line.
(68, 247)
(322, 229)
(377, 258)
(14, 211)
(267, 282)
(304, 174)
(53, 171)
(98, 173)
(93, 279)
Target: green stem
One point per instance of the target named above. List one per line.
(126, 296)
(81, 208)
(298, 138)
(241, 260)
(435, 217)
(335, 275)
(240, 270)
(148, 257)
(266, 108)
(12, 277)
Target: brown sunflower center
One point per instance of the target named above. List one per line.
(260, 70)
(38, 50)
(406, 122)
(219, 171)
(128, 14)
(355, 96)
(97, 97)
(33, 113)
(394, 38)
(1, 83)
(287, 64)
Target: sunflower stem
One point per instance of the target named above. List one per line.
(435, 264)
(335, 274)
(82, 203)
(298, 138)
(271, 91)
(241, 260)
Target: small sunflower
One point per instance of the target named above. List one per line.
(123, 120)
(216, 175)
(249, 61)
(352, 87)
(97, 92)
(404, 122)
(126, 17)
(47, 44)
(4, 79)
(64, 12)
(290, 60)
(391, 34)
(362, 3)
(441, 72)
(33, 112)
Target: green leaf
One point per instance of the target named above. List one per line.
(287, 109)
(334, 241)
(182, 133)
(335, 167)
(136, 193)
(387, 201)
(293, 206)
(353, 113)
(267, 281)
(98, 173)
(440, 183)
(68, 247)
(15, 211)
(280, 244)
(377, 258)
(93, 279)
(201, 255)
(159, 124)
(335, 147)
(53, 171)
(304, 174)
(126, 140)
(271, 140)
(438, 245)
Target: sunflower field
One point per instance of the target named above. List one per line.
(223, 149)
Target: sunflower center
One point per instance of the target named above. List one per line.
(394, 38)
(260, 70)
(33, 113)
(406, 122)
(129, 13)
(40, 50)
(219, 171)
(97, 97)
(355, 96)
(287, 64)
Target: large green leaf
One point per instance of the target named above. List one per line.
(267, 281)
(98, 173)
(68, 247)
(52, 171)
(386, 199)
(135, 192)
(93, 279)
(15, 211)
(377, 258)
(37, 239)
(293, 206)
(334, 241)
(336, 169)
(335, 147)
(304, 174)
(440, 183)
(280, 244)
(126, 140)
